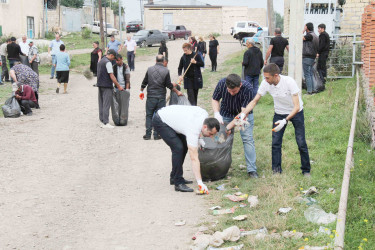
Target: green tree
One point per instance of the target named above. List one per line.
(72, 3)
(115, 7)
(279, 21)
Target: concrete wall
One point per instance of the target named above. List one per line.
(13, 16)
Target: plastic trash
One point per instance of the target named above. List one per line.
(310, 191)
(324, 230)
(180, 223)
(253, 201)
(120, 107)
(221, 187)
(242, 166)
(292, 234)
(319, 85)
(230, 234)
(240, 217)
(225, 211)
(284, 210)
(11, 108)
(307, 200)
(178, 100)
(236, 198)
(254, 232)
(316, 214)
(215, 208)
(331, 191)
(238, 247)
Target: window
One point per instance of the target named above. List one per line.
(30, 27)
(241, 25)
(3, 1)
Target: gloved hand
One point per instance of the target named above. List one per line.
(127, 90)
(202, 188)
(280, 124)
(242, 116)
(219, 117)
(141, 95)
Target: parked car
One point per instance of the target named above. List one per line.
(244, 29)
(145, 38)
(176, 31)
(134, 26)
(95, 28)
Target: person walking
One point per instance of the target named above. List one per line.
(96, 56)
(163, 50)
(131, 47)
(309, 52)
(202, 50)
(14, 52)
(235, 94)
(105, 81)
(53, 48)
(181, 128)
(323, 51)
(253, 63)
(4, 67)
(288, 107)
(278, 44)
(157, 79)
(114, 45)
(33, 57)
(192, 78)
(62, 68)
(213, 51)
(122, 73)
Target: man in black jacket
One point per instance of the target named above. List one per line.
(309, 52)
(253, 63)
(157, 79)
(122, 73)
(323, 51)
(14, 52)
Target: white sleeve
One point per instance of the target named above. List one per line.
(293, 87)
(263, 88)
(192, 139)
(109, 67)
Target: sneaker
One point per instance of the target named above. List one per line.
(29, 114)
(146, 137)
(307, 174)
(57, 90)
(51, 77)
(253, 174)
(158, 137)
(107, 126)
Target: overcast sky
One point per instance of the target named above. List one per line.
(132, 7)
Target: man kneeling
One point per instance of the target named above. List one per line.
(181, 127)
(26, 97)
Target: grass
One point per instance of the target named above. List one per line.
(327, 121)
(74, 40)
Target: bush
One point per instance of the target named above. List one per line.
(50, 35)
(216, 35)
(86, 33)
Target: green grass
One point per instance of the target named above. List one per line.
(327, 120)
(75, 41)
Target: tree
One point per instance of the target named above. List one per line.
(115, 8)
(279, 21)
(72, 3)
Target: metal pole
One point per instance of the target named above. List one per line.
(140, 6)
(106, 29)
(46, 19)
(354, 45)
(119, 17)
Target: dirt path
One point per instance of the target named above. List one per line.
(67, 184)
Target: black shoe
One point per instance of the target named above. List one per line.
(94, 85)
(51, 77)
(171, 181)
(253, 174)
(7, 80)
(1, 83)
(146, 137)
(158, 137)
(57, 90)
(29, 114)
(183, 188)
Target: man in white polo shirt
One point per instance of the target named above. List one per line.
(181, 127)
(131, 47)
(288, 107)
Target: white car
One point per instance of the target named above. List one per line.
(95, 27)
(243, 29)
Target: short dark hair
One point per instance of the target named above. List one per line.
(62, 47)
(233, 81)
(8, 40)
(112, 52)
(118, 56)
(159, 58)
(212, 123)
(310, 26)
(322, 26)
(278, 31)
(112, 36)
(96, 42)
(272, 69)
(13, 39)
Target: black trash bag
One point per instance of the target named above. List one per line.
(12, 108)
(215, 157)
(318, 83)
(178, 100)
(120, 107)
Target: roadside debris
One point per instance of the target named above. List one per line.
(225, 211)
(217, 239)
(284, 210)
(240, 217)
(254, 232)
(180, 223)
(307, 200)
(324, 230)
(253, 200)
(238, 247)
(242, 166)
(292, 234)
(331, 190)
(313, 248)
(236, 198)
(310, 191)
(221, 187)
(215, 208)
(316, 214)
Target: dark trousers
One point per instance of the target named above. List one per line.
(213, 58)
(35, 67)
(178, 145)
(322, 66)
(193, 96)
(254, 81)
(4, 69)
(279, 61)
(152, 106)
(130, 56)
(11, 64)
(277, 139)
(105, 101)
(26, 106)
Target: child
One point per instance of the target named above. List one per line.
(62, 68)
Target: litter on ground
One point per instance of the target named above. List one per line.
(236, 198)
(180, 223)
(310, 191)
(225, 211)
(324, 230)
(238, 247)
(331, 191)
(307, 200)
(253, 200)
(215, 208)
(217, 239)
(284, 210)
(292, 234)
(316, 214)
(240, 217)
(254, 232)
(221, 187)
(242, 166)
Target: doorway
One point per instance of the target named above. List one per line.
(30, 27)
(167, 19)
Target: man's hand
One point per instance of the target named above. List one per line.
(180, 79)
(179, 93)
(18, 97)
(128, 90)
(134, 52)
(29, 62)
(280, 124)
(120, 88)
(228, 131)
(317, 55)
(219, 117)
(141, 95)
(265, 62)
(241, 116)
(193, 61)
(202, 188)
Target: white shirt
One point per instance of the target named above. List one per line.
(109, 67)
(130, 45)
(186, 120)
(282, 94)
(25, 47)
(120, 76)
(3, 49)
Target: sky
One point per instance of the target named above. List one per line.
(132, 7)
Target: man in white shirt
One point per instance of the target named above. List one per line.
(53, 49)
(24, 44)
(181, 128)
(288, 107)
(131, 47)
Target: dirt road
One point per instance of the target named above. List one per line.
(68, 184)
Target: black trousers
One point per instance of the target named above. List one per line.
(26, 106)
(178, 145)
(35, 67)
(279, 61)
(213, 58)
(4, 68)
(193, 96)
(152, 106)
(322, 65)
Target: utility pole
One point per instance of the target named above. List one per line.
(119, 18)
(270, 17)
(140, 6)
(101, 25)
(106, 29)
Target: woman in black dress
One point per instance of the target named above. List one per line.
(163, 50)
(213, 51)
(96, 55)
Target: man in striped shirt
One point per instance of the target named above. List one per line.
(235, 94)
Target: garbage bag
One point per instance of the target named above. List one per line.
(12, 108)
(318, 83)
(316, 214)
(120, 108)
(216, 156)
(178, 100)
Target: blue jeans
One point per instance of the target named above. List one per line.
(298, 122)
(307, 72)
(248, 142)
(254, 81)
(53, 67)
